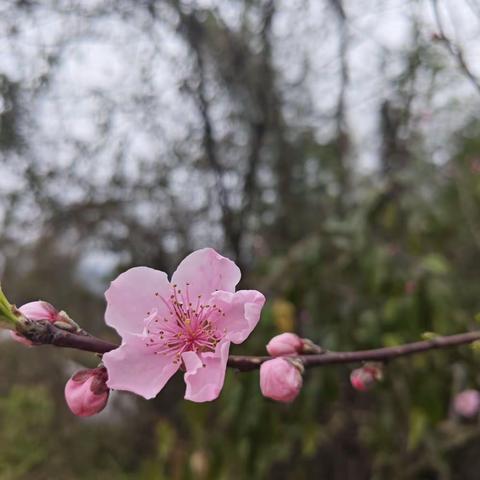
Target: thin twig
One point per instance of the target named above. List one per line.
(376, 354)
(47, 334)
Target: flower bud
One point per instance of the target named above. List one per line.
(291, 344)
(39, 310)
(284, 344)
(43, 311)
(366, 377)
(86, 392)
(467, 403)
(35, 311)
(281, 379)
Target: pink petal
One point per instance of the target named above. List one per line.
(135, 368)
(39, 310)
(242, 312)
(284, 344)
(21, 339)
(132, 295)
(205, 373)
(206, 271)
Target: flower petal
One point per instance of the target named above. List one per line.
(131, 297)
(39, 310)
(206, 271)
(205, 373)
(242, 312)
(136, 368)
(21, 339)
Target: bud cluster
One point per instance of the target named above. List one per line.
(281, 378)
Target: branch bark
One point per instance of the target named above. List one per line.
(45, 333)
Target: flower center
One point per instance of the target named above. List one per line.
(189, 326)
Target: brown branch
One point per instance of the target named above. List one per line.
(245, 363)
(47, 334)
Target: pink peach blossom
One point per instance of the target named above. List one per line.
(284, 344)
(280, 380)
(467, 403)
(35, 311)
(186, 323)
(86, 392)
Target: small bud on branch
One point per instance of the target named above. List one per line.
(281, 379)
(364, 378)
(86, 392)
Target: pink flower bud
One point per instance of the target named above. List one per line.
(280, 380)
(86, 392)
(39, 311)
(44, 311)
(467, 403)
(284, 344)
(35, 311)
(366, 377)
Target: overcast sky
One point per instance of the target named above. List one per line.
(114, 81)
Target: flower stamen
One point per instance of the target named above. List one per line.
(189, 328)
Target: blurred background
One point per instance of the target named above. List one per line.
(330, 147)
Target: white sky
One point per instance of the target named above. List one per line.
(103, 62)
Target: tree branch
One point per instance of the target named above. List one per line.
(245, 363)
(455, 51)
(44, 333)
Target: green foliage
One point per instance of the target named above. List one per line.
(26, 414)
